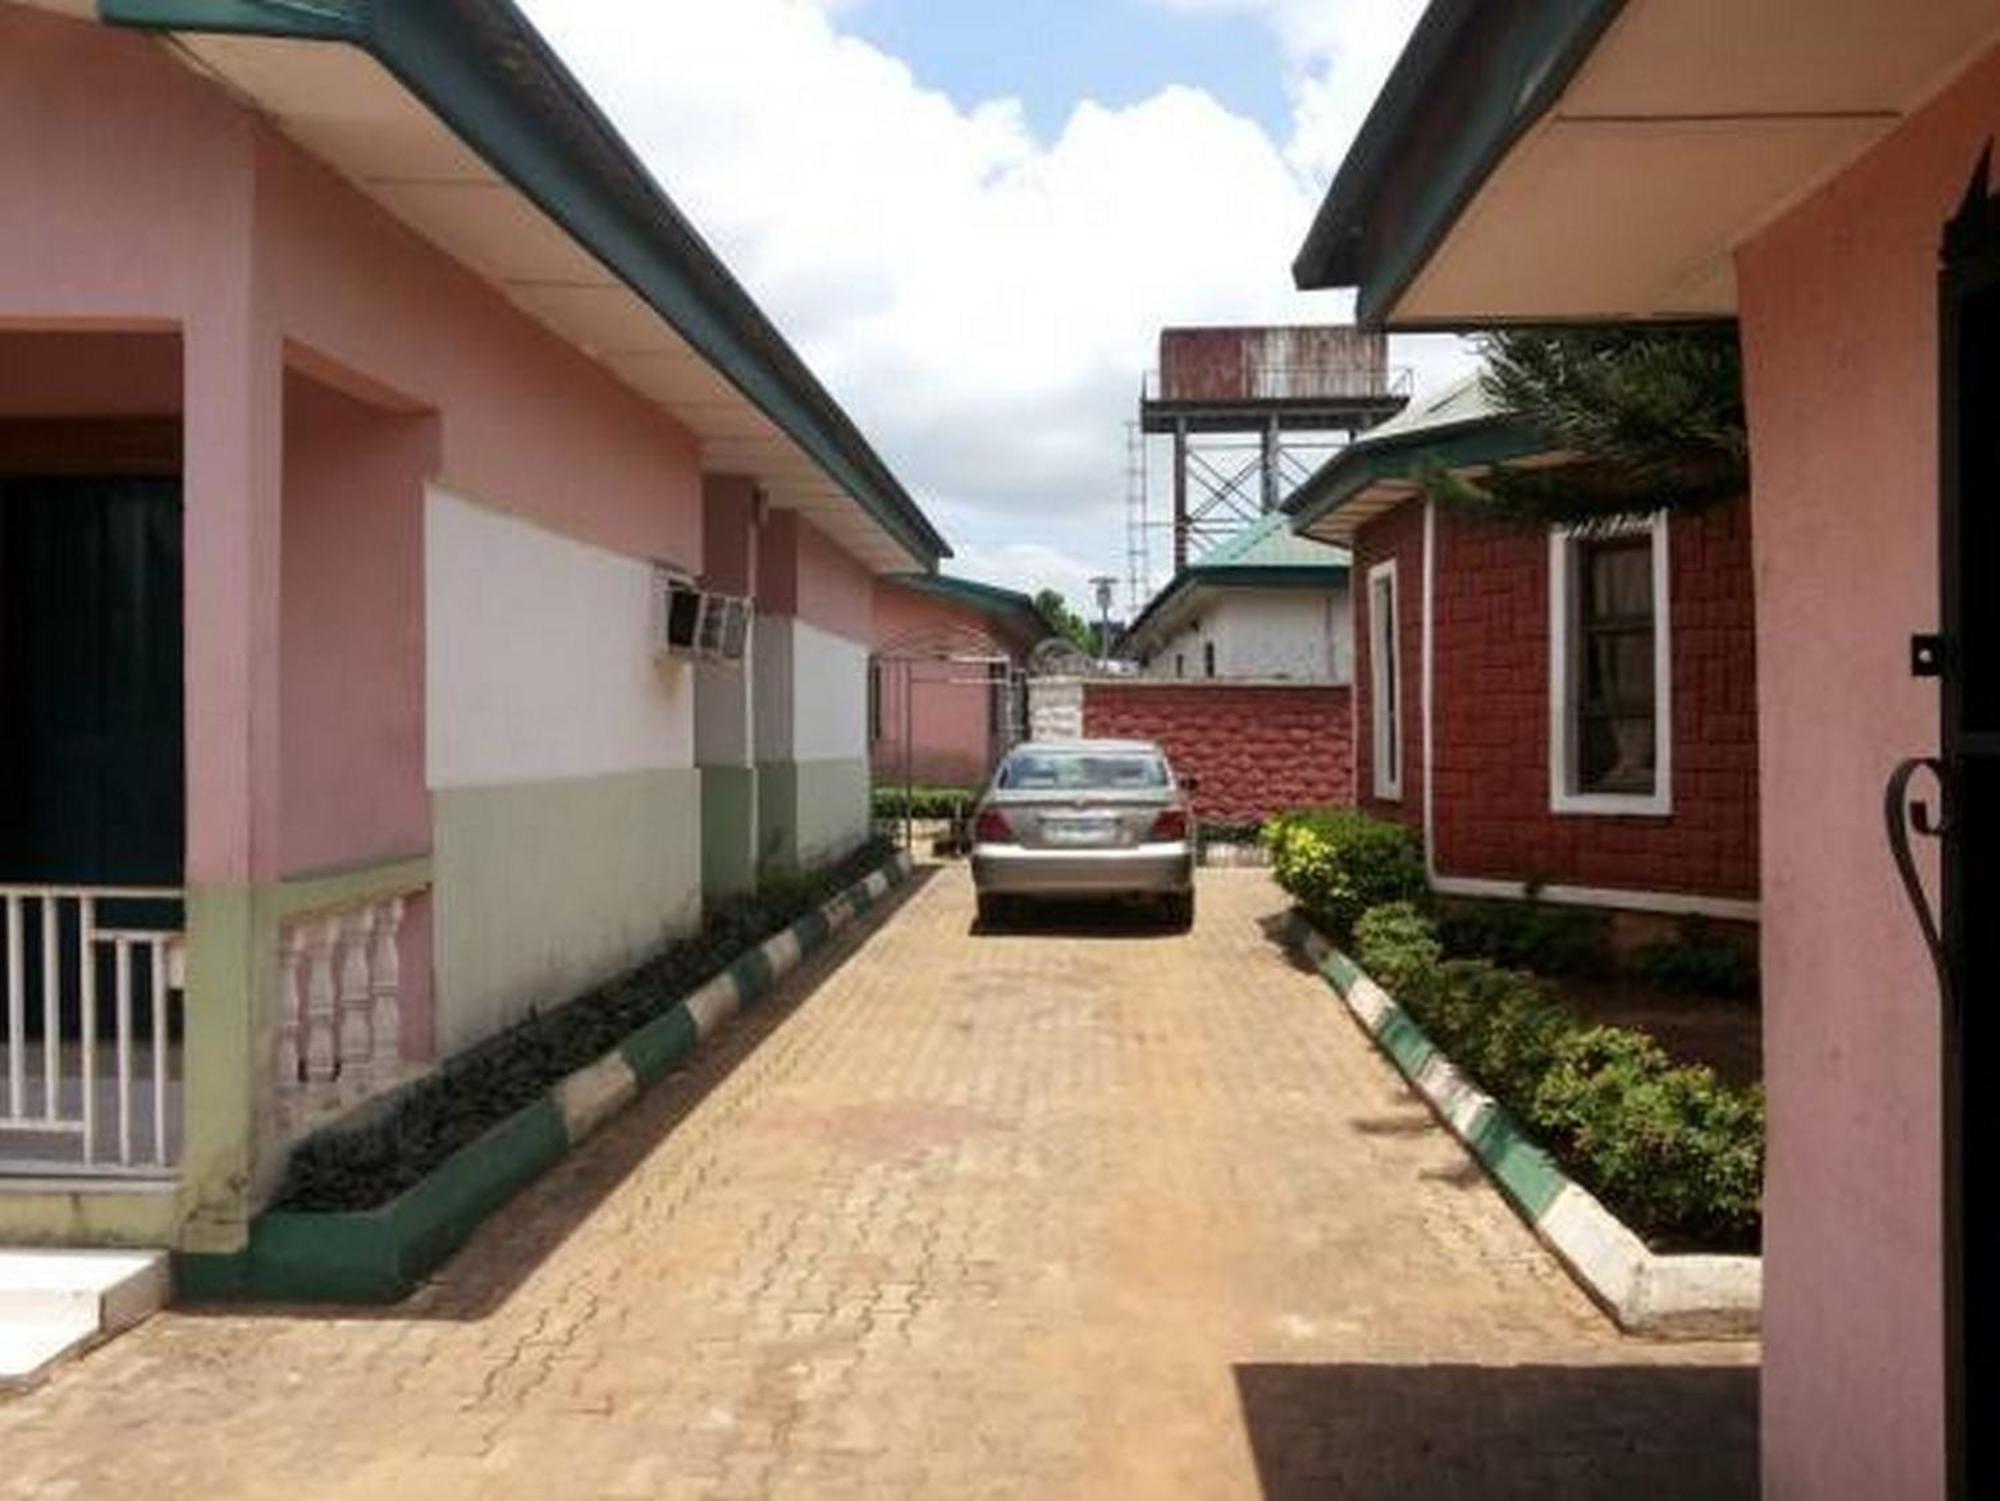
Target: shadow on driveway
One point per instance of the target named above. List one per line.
(1441, 1432)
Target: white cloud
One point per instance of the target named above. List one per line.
(983, 302)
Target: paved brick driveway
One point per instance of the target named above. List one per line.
(1085, 1212)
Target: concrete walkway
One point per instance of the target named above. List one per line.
(1083, 1210)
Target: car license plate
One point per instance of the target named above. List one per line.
(1081, 830)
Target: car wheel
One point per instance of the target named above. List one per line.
(991, 910)
(1180, 911)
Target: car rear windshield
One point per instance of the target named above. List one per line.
(1075, 771)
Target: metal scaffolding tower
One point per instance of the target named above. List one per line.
(1138, 538)
(1252, 412)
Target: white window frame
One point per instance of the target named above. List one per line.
(1564, 676)
(1385, 665)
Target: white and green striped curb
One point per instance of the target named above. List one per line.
(1667, 1296)
(594, 1093)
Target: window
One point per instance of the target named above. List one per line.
(874, 701)
(1073, 771)
(1180, 665)
(1608, 665)
(1385, 688)
(1208, 658)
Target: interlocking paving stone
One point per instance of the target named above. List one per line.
(1077, 1209)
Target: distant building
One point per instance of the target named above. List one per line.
(1266, 605)
(952, 652)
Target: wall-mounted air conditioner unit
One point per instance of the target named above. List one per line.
(690, 621)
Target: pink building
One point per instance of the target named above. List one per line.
(367, 419)
(946, 697)
(1819, 173)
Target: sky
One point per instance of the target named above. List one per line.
(972, 217)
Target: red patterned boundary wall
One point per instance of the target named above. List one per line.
(1256, 748)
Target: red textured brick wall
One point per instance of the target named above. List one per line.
(1397, 535)
(1257, 749)
(1491, 731)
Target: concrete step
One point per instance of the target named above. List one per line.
(55, 1301)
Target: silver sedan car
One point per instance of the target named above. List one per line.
(1079, 818)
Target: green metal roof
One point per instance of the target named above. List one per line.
(1267, 554)
(1474, 75)
(1458, 428)
(484, 71)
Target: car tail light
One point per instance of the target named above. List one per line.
(991, 827)
(1170, 825)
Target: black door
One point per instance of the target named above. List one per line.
(1969, 662)
(91, 738)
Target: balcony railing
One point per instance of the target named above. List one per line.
(339, 1011)
(90, 1069)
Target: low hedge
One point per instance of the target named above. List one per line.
(1337, 863)
(366, 1165)
(922, 802)
(1674, 1152)
(1701, 959)
(1541, 936)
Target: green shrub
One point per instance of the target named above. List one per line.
(1673, 1152)
(1541, 936)
(1336, 863)
(890, 801)
(1679, 1155)
(367, 1164)
(1700, 959)
(1396, 944)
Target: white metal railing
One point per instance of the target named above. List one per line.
(64, 1110)
(340, 1006)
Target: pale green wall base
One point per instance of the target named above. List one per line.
(728, 831)
(810, 811)
(546, 888)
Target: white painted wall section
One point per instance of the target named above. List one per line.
(830, 695)
(811, 690)
(538, 657)
(1302, 634)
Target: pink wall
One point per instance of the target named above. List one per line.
(125, 201)
(802, 572)
(1839, 321)
(728, 503)
(352, 700)
(526, 421)
(951, 720)
(135, 195)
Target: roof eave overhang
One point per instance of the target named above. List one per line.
(1536, 162)
(1363, 481)
(485, 72)
(1474, 75)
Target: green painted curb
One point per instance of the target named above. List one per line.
(380, 1255)
(1526, 1174)
(661, 1043)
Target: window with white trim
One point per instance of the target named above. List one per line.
(1610, 694)
(1385, 685)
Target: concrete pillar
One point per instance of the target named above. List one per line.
(725, 693)
(234, 416)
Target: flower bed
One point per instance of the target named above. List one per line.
(366, 1165)
(1676, 1154)
(350, 1243)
